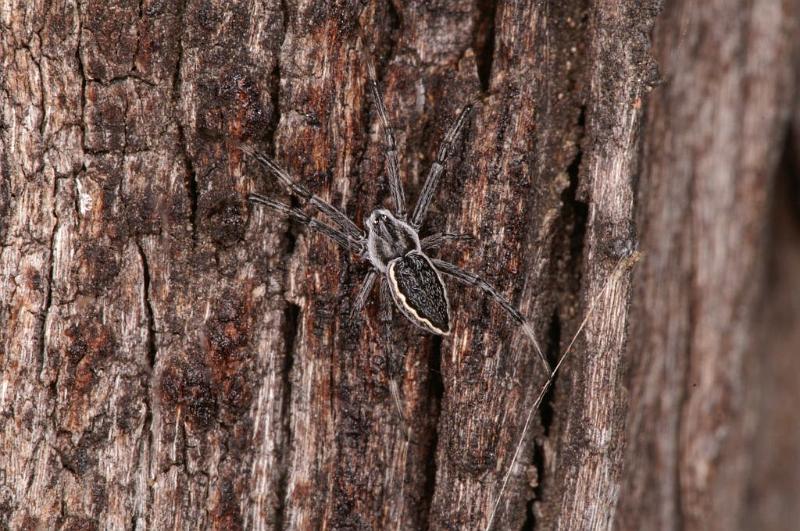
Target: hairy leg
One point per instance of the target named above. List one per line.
(363, 293)
(472, 279)
(432, 181)
(303, 193)
(390, 143)
(345, 240)
(434, 241)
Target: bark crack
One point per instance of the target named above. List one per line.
(291, 316)
(546, 414)
(275, 80)
(190, 180)
(38, 63)
(435, 399)
(483, 41)
(292, 311)
(152, 349)
(82, 72)
(572, 221)
(152, 352)
(48, 297)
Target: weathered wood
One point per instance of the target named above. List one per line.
(716, 131)
(174, 358)
(774, 482)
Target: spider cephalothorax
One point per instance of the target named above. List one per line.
(388, 238)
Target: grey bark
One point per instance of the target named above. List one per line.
(174, 358)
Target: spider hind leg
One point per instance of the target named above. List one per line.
(472, 279)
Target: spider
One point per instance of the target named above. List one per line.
(410, 278)
(390, 241)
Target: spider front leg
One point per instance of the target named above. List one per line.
(476, 281)
(345, 240)
(392, 166)
(432, 181)
(434, 241)
(304, 194)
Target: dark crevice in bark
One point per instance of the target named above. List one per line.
(152, 349)
(48, 298)
(176, 78)
(374, 48)
(190, 179)
(38, 62)
(395, 25)
(291, 328)
(568, 251)
(152, 352)
(789, 167)
(177, 86)
(435, 397)
(274, 95)
(546, 414)
(539, 466)
(275, 82)
(82, 72)
(553, 352)
(292, 312)
(6, 195)
(48, 295)
(293, 229)
(778, 319)
(483, 41)
(576, 211)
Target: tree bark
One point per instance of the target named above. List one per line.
(173, 357)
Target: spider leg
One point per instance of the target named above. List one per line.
(345, 240)
(363, 293)
(393, 362)
(390, 145)
(303, 193)
(432, 181)
(434, 241)
(474, 280)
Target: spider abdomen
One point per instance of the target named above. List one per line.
(418, 291)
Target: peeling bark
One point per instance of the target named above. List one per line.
(174, 358)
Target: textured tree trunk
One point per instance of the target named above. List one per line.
(173, 357)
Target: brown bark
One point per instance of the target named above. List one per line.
(174, 358)
(717, 131)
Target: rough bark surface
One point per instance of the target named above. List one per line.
(174, 358)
